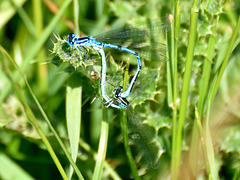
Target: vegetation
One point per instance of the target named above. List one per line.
(52, 128)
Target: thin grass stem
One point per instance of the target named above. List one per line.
(124, 129)
(175, 84)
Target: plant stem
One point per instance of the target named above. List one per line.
(185, 89)
(175, 84)
(124, 129)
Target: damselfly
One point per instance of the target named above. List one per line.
(143, 39)
(141, 135)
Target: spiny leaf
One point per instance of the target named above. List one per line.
(76, 58)
(145, 87)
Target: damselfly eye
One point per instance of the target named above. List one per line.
(118, 91)
(70, 39)
(72, 35)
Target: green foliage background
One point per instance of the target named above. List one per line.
(192, 106)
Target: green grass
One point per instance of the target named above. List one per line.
(49, 127)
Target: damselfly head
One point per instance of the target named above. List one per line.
(117, 91)
(70, 39)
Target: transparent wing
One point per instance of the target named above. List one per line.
(145, 87)
(146, 38)
(144, 140)
(139, 32)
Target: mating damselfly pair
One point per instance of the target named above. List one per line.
(144, 41)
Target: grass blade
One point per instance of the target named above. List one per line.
(73, 115)
(210, 161)
(8, 11)
(44, 115)
(37, 46)
(10, 170)
(29, 112)
(225, 61)
(25, 18)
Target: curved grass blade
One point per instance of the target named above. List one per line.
(33, 119)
